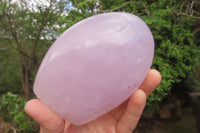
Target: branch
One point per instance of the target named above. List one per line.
(146, 9)
(22, 52)
(1, 49)
(128, 2)
(182, 4)
(188, 8)
(38, 35)
(172, 45)
(195, 31)
(185, 14)
(114, 9)
(196, 12)
(14, 130)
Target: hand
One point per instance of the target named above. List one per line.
(122, 119)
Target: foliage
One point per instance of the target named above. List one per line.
(176, 53)
(9, 73)
(176, 48)
(12, 109)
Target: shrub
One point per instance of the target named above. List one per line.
(176, 53)
(12, 110)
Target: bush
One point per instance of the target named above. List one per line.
(12, 110)
(176, 53)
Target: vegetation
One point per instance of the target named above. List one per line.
(12, 110)
(26, 32)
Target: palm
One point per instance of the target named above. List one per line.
(105, 124)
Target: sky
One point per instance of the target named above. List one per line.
(33, 3)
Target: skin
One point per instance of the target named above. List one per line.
(122, 119)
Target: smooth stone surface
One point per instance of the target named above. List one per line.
(94, 66)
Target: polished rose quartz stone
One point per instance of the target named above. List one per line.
(94, 66)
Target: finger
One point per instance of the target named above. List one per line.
(133, 112)
(47, 119)
(151, 82)
(118, 112)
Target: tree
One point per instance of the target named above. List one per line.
(27, 31)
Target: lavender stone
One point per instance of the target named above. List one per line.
(94, 66)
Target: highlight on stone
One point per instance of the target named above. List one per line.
(94, 66)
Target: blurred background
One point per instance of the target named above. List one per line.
(29, 27)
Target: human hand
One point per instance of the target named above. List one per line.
(122, 119)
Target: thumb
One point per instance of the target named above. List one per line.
(48, 120)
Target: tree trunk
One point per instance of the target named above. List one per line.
(26, 82)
